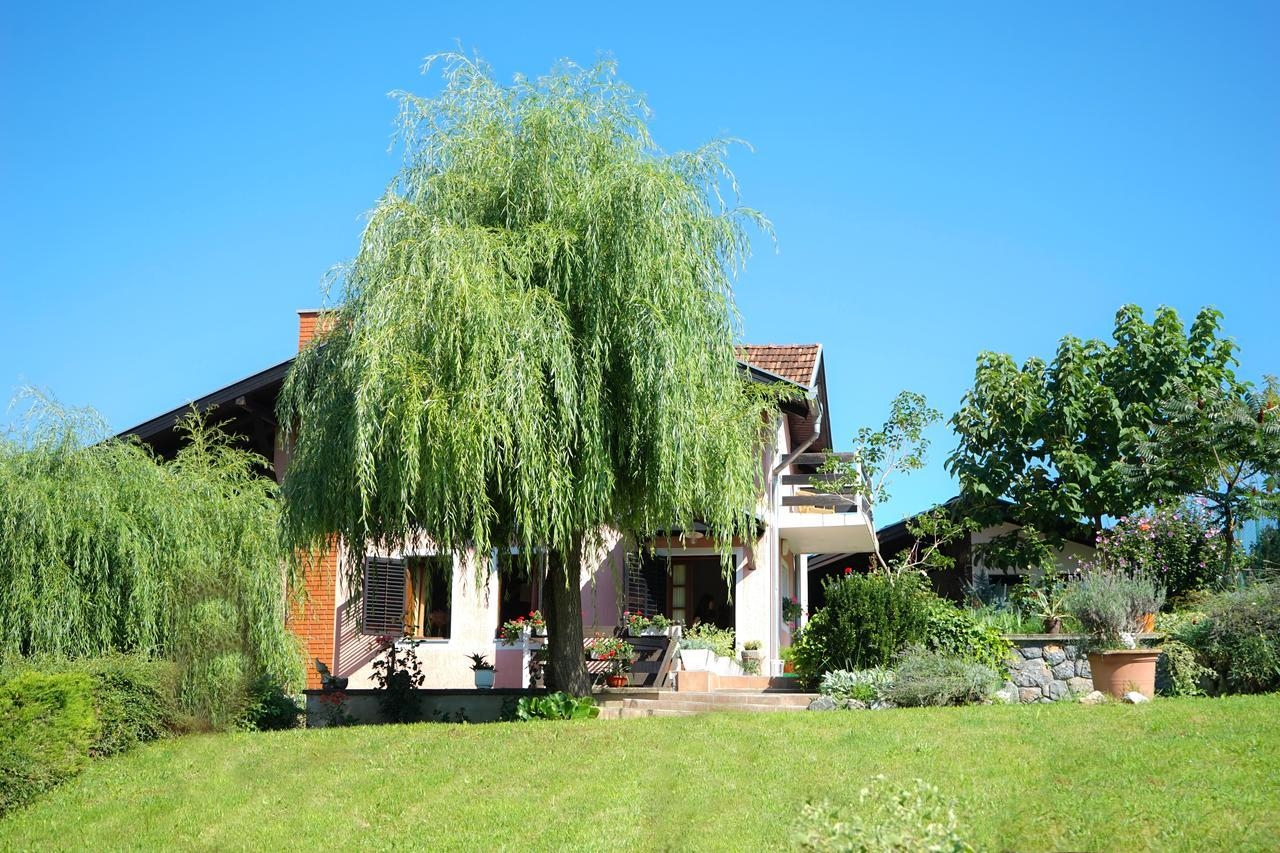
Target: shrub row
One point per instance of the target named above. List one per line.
(870, 619)
(55, 715)
(47, 726)
(1238, 639)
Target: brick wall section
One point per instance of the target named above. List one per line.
(313, 619)
(312, 322)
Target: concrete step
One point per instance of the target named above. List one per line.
(631, 713)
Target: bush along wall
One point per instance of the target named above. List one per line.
(870, 619)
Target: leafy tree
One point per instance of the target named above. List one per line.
(534, 342)
(899, 446)
(1060, 440)
(106, 548)
(878, 455)
(1265, 554)
(1223, 445)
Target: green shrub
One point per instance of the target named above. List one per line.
(708, 636)
(865, 685)
(886, 819)
(959, 634)
(135, 698)
(1239, 639)
(868, 619)
(47, 727)
(556, 706)
(923, 677)
(271, 708)
(1178, 673)
(1110, 602)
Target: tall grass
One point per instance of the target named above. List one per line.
(105, 547)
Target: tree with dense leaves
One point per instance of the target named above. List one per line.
(1060, 440)
(533, 344)
(1264, 557)
(1222, 445)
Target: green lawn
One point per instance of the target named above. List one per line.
(1175, 774)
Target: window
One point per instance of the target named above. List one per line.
(429, 589)
(519, 585)
(413, 596)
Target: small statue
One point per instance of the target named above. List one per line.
(328, 680)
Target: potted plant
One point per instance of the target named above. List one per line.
(537, 624)
(1046, 599)
(638, 625)
(791, 610)
(483, 671)
(618, 653)
(1110, 605)
(517, 630)
(751, 657)
(702, 645)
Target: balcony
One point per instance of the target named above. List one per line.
(816, 521)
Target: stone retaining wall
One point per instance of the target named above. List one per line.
(1053, 667)
(1047, 668)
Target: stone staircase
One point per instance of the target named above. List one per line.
(627, 703)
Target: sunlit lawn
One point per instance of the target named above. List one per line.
(1175, 774)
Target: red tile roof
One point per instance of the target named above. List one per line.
(795, 362)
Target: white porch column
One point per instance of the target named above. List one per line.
(803, 580)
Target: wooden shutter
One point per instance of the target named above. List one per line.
(645, 585)
(384, 596)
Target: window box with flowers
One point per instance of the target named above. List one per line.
(639, 625)
(520, 629)
(618, 653)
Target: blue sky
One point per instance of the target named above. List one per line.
(959, 177)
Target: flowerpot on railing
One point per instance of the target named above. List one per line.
(616, 681)
(484, 679)
(1053, 626)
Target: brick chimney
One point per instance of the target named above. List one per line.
(312, 322)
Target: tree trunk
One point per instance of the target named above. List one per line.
(562, 599)
(1229, 536)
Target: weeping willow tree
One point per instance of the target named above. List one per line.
(534, 342)
(105, 548)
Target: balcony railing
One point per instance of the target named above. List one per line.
(804, 492)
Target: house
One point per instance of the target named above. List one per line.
(452, 614)
(969, 567)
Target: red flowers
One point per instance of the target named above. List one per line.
(848, 570)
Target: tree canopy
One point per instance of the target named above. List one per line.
(534, 340)
(1222, 445)
(106, 548)
(1061, 439)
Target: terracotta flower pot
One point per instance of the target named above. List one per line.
(1053, 626)
(616, 680)
(1119, 671)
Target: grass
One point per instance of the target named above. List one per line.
(1175, 774)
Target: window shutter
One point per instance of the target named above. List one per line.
(384, 582)
(645, 585)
